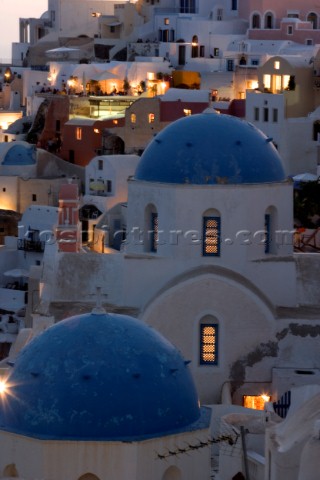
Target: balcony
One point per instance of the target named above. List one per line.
(31, 245)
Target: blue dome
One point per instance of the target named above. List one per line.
(99, 377)
(209, 148)
(20, 155)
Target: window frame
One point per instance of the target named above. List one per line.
(206, 219)
(215, 326)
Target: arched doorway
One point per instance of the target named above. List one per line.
(113, 145)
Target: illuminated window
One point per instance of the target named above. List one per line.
(166, 21)
(96, 130)
(115, 122)
(154, 232)
(211, 236)
(277, 65)
(278, 83)
(151, 117)
(255, 401)
(208, 344)
(267, 81)
(187, 112)
(78, 133)
(285, 82)
(133, 118)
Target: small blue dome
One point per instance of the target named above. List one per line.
(99, 377)
(20, 155)
(209, 148)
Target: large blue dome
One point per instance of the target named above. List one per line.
(99, 377)
(209, 148)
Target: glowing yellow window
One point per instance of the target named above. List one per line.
(133, 118)
(267, 81)
(255, 401)
(151, 117)
(79, 133)
(208, 344)
(277, 65)
(187, 112)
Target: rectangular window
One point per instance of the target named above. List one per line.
(266, 114)
(277, 83)
(277, 65)
(154, 232)
(166, 21)
(209, 344)
(34, 197)
(255, 61)
(216, 52)
(267, 81)
(78, 133)
(275, 115)
(230, 65)
(201, 51)
(211, 236)
(109, 186)
(133, 118)
(256, 114)
(151, 117)
(100, 164)
(219, 14)
(290, 30)
(234, 5)
(187, 112)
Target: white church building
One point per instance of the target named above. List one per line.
(207, 261)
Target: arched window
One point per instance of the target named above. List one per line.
(10, 471)
(313, 18)
(151, 230)
(172, 473)
(256, 20)
(211, 234)
(195, 47)
(209, 340)
(268, 20)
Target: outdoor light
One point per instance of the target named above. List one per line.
(96, 14)
(3, 387)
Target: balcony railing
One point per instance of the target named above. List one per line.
(31, 245)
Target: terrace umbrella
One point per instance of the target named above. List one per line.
(17, 273)
(305, 177)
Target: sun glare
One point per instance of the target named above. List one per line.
(3, 387)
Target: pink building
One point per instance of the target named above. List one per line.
(292, 20)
